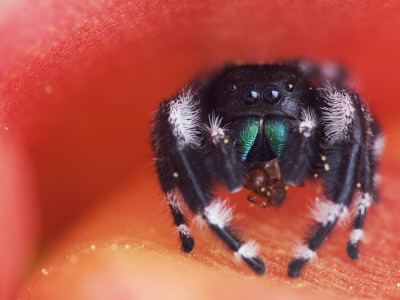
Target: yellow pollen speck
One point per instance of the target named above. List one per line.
(45, 272)
(226, 141)
(263, 190)
(286, 187)
(358, 184)
(323, 158)
(315, 175)
(93, 247)
(175, 174)
(326, 167)
(268, 193)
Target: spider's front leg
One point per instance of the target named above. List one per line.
(175, 141)
(367, 184)
(344, 165)
(301, 151)
(188, 163)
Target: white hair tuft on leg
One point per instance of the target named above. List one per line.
(183, 229)
(378, 146)
(219, 213)
(304, 253)
(184, 117)
(338, 114)
(363, 202)
(326, 212)
(173, 200)
(249, 249)
(309, 121)
(214, 128)
(356, 235)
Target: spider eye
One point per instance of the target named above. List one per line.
(232, 88)
(271, 95)
(250, 96)
(289, 86)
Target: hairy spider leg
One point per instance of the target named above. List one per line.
(297, 166)
(222, 157)
(177, 144)
(168, 185)
(180, 221)
(341, 178)
(168, 144)
(343, 121)
(229, 171)
(218, 216)
(367, 185)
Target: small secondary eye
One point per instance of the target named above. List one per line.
(232, 88)
(271, 95)
(250, 96)
(289, 86)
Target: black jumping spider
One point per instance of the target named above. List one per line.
(262, 127)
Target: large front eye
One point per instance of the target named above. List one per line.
(250, 96)
(271, 95)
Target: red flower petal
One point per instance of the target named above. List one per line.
(80, 80)
(18, 217)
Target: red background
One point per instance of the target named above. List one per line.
(78, 84)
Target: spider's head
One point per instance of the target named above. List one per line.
(266, 90)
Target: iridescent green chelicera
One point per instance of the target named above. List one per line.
(276, 132)
(247, 134)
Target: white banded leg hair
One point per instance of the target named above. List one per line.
(218, 217)
(364, 201)
(326, 214)
(180, 221)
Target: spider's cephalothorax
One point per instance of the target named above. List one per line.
(264, 127)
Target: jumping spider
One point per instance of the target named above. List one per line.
(264, 127)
